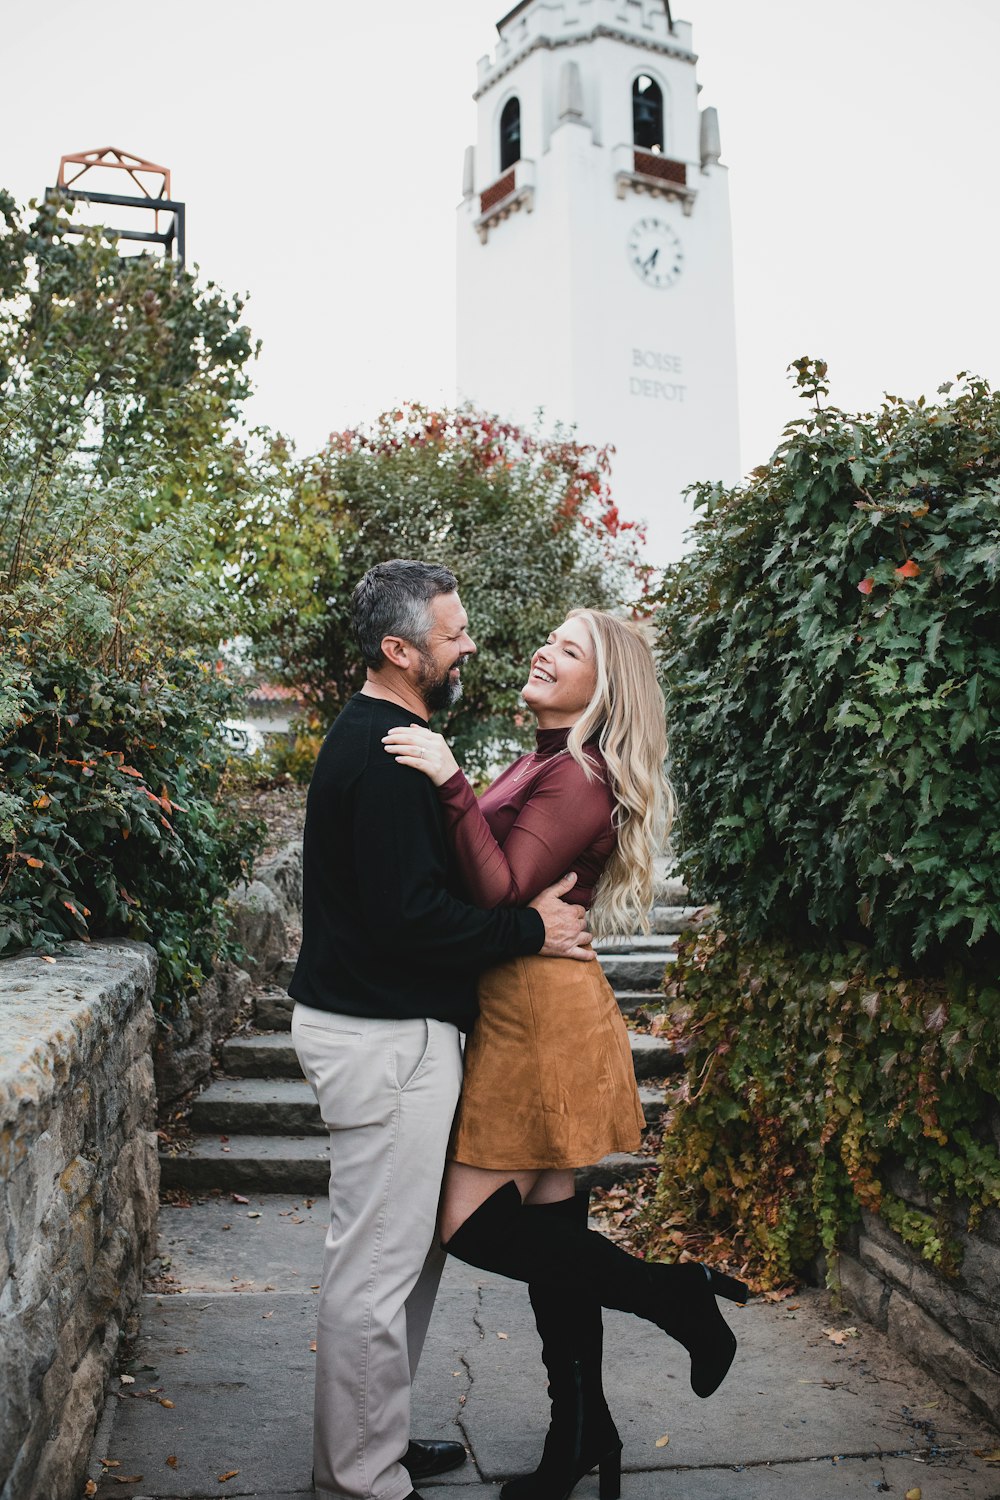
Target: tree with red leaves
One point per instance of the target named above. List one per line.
(527, 523)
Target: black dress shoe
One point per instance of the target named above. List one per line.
(422, 1460)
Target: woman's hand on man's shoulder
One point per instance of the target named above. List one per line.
(423, 750)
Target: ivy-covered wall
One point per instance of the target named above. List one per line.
(832, 669)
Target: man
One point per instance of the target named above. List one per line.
(384, 985)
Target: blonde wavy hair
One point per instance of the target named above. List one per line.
(626, 715)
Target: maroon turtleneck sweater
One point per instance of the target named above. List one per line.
(539, 820)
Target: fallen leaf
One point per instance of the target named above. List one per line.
(253, 1214)
(90, 1488)
(47, 958)
(111, 1463)
(127, 1379)
(229, 1474)
(841, 1335)
(172, 1460)
(501, 1335)
(268, 1314)
(988, 1455)
(663, 1441)
(312, 1345)
(127, 1478)
(236, 1197)
(168, 1404)
(456, 1372)
(180, 1351)
(913, 1494)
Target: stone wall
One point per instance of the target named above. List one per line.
(78, 1194)
(949, 1325)
(258, 916)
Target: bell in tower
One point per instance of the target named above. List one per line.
(594, 250)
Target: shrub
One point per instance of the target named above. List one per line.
(111, 820)
(810, 1076)
(833, 677)
(111, 817)
(528, 526)
(833, 673)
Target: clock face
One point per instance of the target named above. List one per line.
(655, 253)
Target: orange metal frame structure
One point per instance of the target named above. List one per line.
(136, 167)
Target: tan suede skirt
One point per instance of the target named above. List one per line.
(548, 1079)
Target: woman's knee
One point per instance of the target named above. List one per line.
(467, 1188)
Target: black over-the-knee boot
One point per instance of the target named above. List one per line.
(582, 1432)
(500, 1236)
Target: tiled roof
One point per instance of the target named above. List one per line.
(273, 692)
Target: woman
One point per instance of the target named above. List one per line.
(549, 1084)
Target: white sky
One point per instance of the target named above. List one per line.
(318, 145)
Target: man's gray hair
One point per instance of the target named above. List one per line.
(394, 598)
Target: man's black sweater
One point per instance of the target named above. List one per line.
(382, 932)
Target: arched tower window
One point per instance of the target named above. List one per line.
(510, 134)
(647, 113)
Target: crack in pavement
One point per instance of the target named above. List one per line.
(477, 1323)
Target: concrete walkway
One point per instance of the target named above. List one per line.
(221, 1384)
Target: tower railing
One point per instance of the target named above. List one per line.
(512, 191)
(650, 172)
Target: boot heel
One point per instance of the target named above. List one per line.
(610, 1470)
(729, 1287)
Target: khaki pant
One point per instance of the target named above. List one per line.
(387, 1092)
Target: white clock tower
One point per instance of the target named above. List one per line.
(594, 256)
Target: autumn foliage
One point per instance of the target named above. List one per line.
(527, 523)
(833, 672)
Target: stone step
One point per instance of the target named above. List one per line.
(285, 1164)
(286, 1106)
(654, 1103)
(257, 1106)
(653, 944)
(621, 1166)
(273, 1011)
(629, 969)
(636, 971)
(250, 1163)
(654, 1056)
(633, 1000)
(271, 1097)
(269, 1056)
(675, 919)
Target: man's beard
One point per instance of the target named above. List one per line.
(437, 688)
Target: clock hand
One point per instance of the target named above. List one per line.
(649, 263)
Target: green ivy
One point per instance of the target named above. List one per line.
(807, 1075)
(832, 663)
